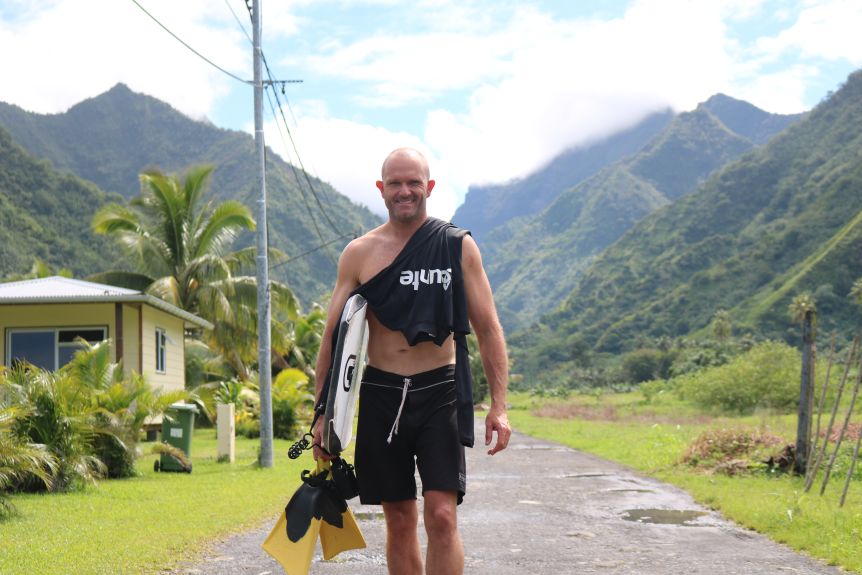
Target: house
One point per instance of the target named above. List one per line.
(42, 319)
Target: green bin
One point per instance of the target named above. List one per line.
(177, 427)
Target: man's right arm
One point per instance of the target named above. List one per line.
(345, 283)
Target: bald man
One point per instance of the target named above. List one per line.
(426, 287)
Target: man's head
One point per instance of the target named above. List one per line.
(405, 185)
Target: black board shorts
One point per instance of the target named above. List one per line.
(426, 437)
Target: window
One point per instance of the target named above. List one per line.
(161, 341)
(50, 348)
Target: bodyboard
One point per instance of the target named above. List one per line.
(348, 363)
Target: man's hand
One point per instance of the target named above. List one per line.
(317, 444)
(498, 421)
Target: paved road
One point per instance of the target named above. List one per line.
(541, 508)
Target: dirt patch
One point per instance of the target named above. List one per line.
(852, 433)
(573, 411)
(611, 413)
(736, 451)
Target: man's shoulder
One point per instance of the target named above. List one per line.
(358, 247)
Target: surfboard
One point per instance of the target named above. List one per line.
(348, 363)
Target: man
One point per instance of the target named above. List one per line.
(408, 395)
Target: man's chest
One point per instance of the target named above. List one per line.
(378, 259)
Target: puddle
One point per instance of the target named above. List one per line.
(541, 447)
(582, 475)
(628, 490)
(663, 516)
(368, 515)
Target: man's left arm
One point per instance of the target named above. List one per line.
(492, 344)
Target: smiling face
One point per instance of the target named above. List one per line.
(405, 186)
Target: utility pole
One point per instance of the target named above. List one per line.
(264, 360)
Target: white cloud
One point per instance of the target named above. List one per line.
(499, 88)
(67, 51)
(828, 30)
(350, 156)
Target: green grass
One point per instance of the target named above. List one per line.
(651, 439)
(151, 522)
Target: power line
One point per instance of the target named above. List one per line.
(299, 185)
(238, 21)
(298, 159)
(314, 249)
(272, 82)
(198, 54)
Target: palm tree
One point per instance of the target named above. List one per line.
(856, 291)
(40, 269)
(801, 306)
(19, 459)
(180, 245)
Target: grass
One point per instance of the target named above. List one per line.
(150, 522)
(652, 437)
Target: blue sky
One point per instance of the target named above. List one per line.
(490, 90)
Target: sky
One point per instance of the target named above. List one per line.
(488, 90)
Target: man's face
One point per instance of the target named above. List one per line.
(404, 187)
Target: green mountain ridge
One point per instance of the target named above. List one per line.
(536, 262)
(781, 220)
(485, 208)
(111, 138)
(41, 211)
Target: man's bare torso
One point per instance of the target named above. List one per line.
(388, 350)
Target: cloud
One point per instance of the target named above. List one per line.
(351, 155)
(825, 30)
(84, 56)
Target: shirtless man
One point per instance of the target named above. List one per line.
(405, 186)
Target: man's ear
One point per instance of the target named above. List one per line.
(429, 187)
(380, 186)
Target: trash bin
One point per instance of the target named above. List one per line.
(178, 424)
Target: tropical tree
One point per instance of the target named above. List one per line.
(180, 247)
(20, 459)
(856, 291)
(722, 327)
(120, 403)
(40, 269)
(59, 417)
(179, 242)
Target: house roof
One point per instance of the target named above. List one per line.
(57, 289)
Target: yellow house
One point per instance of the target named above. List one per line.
(42, 319)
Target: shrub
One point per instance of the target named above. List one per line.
(767, 376)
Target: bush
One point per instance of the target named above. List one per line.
(767, 376)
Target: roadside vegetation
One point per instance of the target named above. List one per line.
(152, 521)
(721, 424)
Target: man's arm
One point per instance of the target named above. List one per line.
(492, 345)
(345, 282)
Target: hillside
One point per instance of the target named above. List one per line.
(111, 138)
(534, 262)
(487, 207)
(782, 220)
(45, 215)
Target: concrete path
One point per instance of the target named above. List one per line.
(541, 508)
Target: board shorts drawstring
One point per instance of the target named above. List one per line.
(394, 430)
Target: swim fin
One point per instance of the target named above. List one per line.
(315, 509)
(296, 556)
(334, 540)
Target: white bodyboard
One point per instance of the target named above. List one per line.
(348, 363)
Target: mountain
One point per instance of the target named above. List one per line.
(112, 138)
(783, 220)
(533, 263)
(487, 207)
(45, 214)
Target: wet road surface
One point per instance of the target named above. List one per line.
(542, 508)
